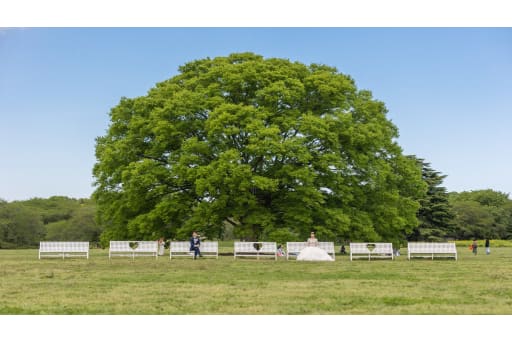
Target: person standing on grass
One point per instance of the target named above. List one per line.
(195, 243)
(475, 247)
(487, 247)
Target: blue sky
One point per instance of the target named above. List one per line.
(448, 90)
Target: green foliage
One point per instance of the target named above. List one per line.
(281, 236)
(25, 223)
(19, 226)
(482, 214)
(80, 227)
(264, 144)
(56, 208)
(435, 213)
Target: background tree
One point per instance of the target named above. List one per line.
(435, 213)
(482, 214)
(270, 146)
(53, 209)
(25, 223)
(19, 226)
(81, 225)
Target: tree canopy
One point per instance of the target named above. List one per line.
(272, 147)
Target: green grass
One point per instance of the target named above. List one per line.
(472, 285)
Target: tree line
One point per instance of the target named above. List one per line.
(59, 218)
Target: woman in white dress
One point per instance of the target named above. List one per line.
(312, 252)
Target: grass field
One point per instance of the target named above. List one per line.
(472, 285)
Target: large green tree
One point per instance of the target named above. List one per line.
(273, 148)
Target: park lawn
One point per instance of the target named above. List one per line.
(472, 285)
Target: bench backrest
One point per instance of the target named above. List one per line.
(210, 246)
(422, 247)
(250, 247)
(369, 248)
(179, 246)
(64, 246)
(327, 246)
(295, 247)
(138, 246)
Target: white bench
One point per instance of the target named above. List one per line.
(431, 250)
(294, 248)
(177, 249)
(133, 248)
(64, 249)
(371, 250)
(255, 249)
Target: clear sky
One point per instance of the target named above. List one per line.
(448, 90)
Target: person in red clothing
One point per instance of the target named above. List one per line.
(474, 247)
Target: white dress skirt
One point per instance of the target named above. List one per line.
(313, 253)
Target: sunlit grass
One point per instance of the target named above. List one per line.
(472, 285)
